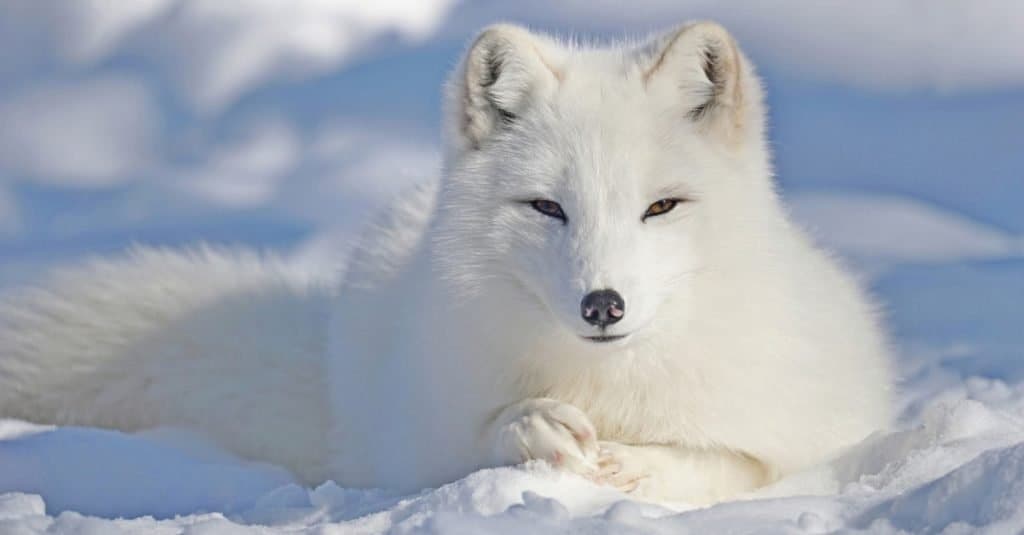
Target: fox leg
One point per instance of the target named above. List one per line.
(678, 473)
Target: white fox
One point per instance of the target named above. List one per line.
(603, 278)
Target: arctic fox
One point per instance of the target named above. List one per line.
(603, 278)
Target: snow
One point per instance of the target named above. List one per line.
(228, 48)
(960, 468)
(128, 475)
(898, 229)
(68, 133)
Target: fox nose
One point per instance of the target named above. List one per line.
(602, 307)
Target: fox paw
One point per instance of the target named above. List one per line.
(550, 430)
(619, 467)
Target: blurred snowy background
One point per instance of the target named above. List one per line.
(898, 127)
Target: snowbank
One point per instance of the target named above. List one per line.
(958, 466)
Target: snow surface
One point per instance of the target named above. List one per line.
(959, 469)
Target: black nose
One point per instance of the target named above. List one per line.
(602, 307)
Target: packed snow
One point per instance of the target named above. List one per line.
(959, 468)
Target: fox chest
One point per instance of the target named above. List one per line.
(641, 406)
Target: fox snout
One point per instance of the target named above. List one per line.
(602, 308)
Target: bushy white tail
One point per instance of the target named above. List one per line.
(223, 343)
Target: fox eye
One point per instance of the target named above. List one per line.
(661, 207)
(548, 208)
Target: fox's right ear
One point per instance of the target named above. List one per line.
(701, 67)
(504, 70)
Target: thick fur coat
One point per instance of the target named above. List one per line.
(463, 334)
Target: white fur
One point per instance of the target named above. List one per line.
(228, 344)
(455, 341)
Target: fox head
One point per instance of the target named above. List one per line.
(591, 180)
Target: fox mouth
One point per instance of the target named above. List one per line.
(605, 338)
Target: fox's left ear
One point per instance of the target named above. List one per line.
(700, 69)
(504, 71)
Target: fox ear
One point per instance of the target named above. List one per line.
(702, 64)
(501, 73)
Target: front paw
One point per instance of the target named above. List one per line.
(546, 429)
(621, 467)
